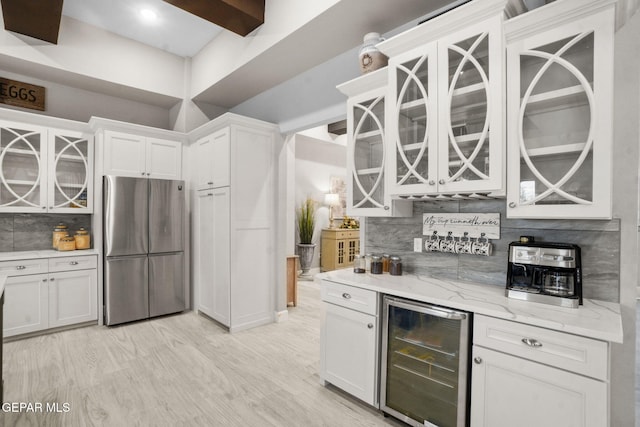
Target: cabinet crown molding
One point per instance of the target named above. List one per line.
(43, 120)
(229, 119)
(372, 80)
(98, 124)
(552, 15)
(433, 29)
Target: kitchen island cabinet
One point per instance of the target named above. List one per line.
(545, 353)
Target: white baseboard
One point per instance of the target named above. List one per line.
(282, 316)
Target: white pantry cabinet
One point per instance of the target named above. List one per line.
(136, 155)
(560, 95)
(45, 169)
(445, 114)
(42, 294)
(349, 340)
(213, 160)
(529, 376)
(234, 245)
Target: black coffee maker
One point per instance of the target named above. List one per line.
(549, 273)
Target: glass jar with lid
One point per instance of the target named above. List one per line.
(395, 265)
(376, 264)
(67, 243)
(359, 264)
(59, 232)
(82, 239)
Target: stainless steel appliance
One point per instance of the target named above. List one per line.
(143, 248)
(425, 363)
(549, 273)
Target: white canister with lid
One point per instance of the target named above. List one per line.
(370, 57)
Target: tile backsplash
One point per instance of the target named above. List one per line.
(599, 241)
(31, 232)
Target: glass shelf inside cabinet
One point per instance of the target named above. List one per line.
(469, 116)
(20, 167)
(556, 122)
(368, 154)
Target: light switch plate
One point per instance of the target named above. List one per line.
(417, 244)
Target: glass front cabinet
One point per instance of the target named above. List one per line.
(367, 194)
(445, 121)
(560, 114)
(45, 170)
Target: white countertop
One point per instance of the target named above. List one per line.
(50, 253)
(594, 319)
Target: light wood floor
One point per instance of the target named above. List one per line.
(181, 370)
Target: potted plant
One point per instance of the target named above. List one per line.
(306, 223)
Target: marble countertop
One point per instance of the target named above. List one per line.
(50, 253)
(594, 319)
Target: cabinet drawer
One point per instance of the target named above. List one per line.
(359, 299)
(573, 353)
(72, 263)
(23, 267)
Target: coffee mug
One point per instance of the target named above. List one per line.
(448, 245)
(432, 244)
(464, 246)
(482, 248)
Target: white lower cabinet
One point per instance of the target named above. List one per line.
(516, 379)
(63, 296)
(349, 341)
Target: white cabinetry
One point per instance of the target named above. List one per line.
(136, 155)
(560, 92)
(349, 340)
(366, 149)
(445, 116)
(45, 169)
(212, 161)
(529, 376)
(42, 294)
(234, 253)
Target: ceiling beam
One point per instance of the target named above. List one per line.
(35, 18)
(239, 16)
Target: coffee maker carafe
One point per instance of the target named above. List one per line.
(549, 273)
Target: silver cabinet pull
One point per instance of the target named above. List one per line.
(386, 208)
(20, 267)
(441, 182)
(44, 280)
(531, 342)
(148, 173)
(346, 296)
(142, 173)
(477, 360)
(52, 279)
(432, 182)
(73, 263)
(370, 326)
(512, 204)
(210, 183)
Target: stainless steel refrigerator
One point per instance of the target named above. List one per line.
(143, 248)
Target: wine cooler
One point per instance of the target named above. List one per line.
(425, 363)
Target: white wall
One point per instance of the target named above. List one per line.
(315, 162)
(625, 206)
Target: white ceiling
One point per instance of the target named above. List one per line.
(174, 31)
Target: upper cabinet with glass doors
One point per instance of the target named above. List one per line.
(560, 66)
(45, 170)
(366, 148)
(445, 116)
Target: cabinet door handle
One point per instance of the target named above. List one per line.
(370, 326)
(512, 205)
(44, 207)
(73, 263)
(386, 208)
(346, 296)
(148, 173)
(20, 267)
(52, 279)
(532, 342)
(142, 173)
(44, 280)
(210, 183)
(477, 360)
(441, 182)
(432, 182)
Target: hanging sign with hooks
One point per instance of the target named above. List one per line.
(472, 225)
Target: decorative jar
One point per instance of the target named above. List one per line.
(370, 57)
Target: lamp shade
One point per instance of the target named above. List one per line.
(331, 199)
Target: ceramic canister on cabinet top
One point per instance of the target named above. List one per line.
(370, 57)
(67, 243)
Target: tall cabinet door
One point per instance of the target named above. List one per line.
(70, 166)
(23, 168)
(560, 94)
(470, 109)
(213, 244)
(413, 121)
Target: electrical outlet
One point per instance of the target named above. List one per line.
(417, 244)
